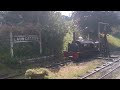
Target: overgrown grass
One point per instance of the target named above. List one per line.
(4, 69)
(73, 70)
(36, 73)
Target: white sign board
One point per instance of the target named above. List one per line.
(25, 38)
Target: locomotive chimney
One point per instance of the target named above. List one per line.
(73, 36)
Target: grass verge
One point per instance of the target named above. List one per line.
(73, 70)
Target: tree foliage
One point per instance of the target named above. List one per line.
(52, 26)
(87, 21)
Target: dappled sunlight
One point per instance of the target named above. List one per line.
(63, 43)
(113, 40)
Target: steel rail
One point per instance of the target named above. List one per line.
(88, 75)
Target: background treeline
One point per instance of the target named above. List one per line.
(56, 31)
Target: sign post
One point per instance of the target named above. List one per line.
(11, 44)
(40, 42)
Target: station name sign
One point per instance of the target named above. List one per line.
(25, 38)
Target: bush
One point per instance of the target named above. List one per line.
(11, 62)
(36, 73)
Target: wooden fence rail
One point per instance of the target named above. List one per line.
(38, 61)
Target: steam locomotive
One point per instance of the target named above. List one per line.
(82, 48)
(87, 48)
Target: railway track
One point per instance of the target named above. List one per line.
(104, 70)
(8, 76)
(102, 77)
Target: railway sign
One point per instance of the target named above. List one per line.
(23, 38)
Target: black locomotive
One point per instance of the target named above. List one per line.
(87, 48)
(82, 48)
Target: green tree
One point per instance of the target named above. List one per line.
(87, 21)
(51, 24)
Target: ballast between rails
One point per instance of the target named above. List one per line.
(92, 73)
(109, 72)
